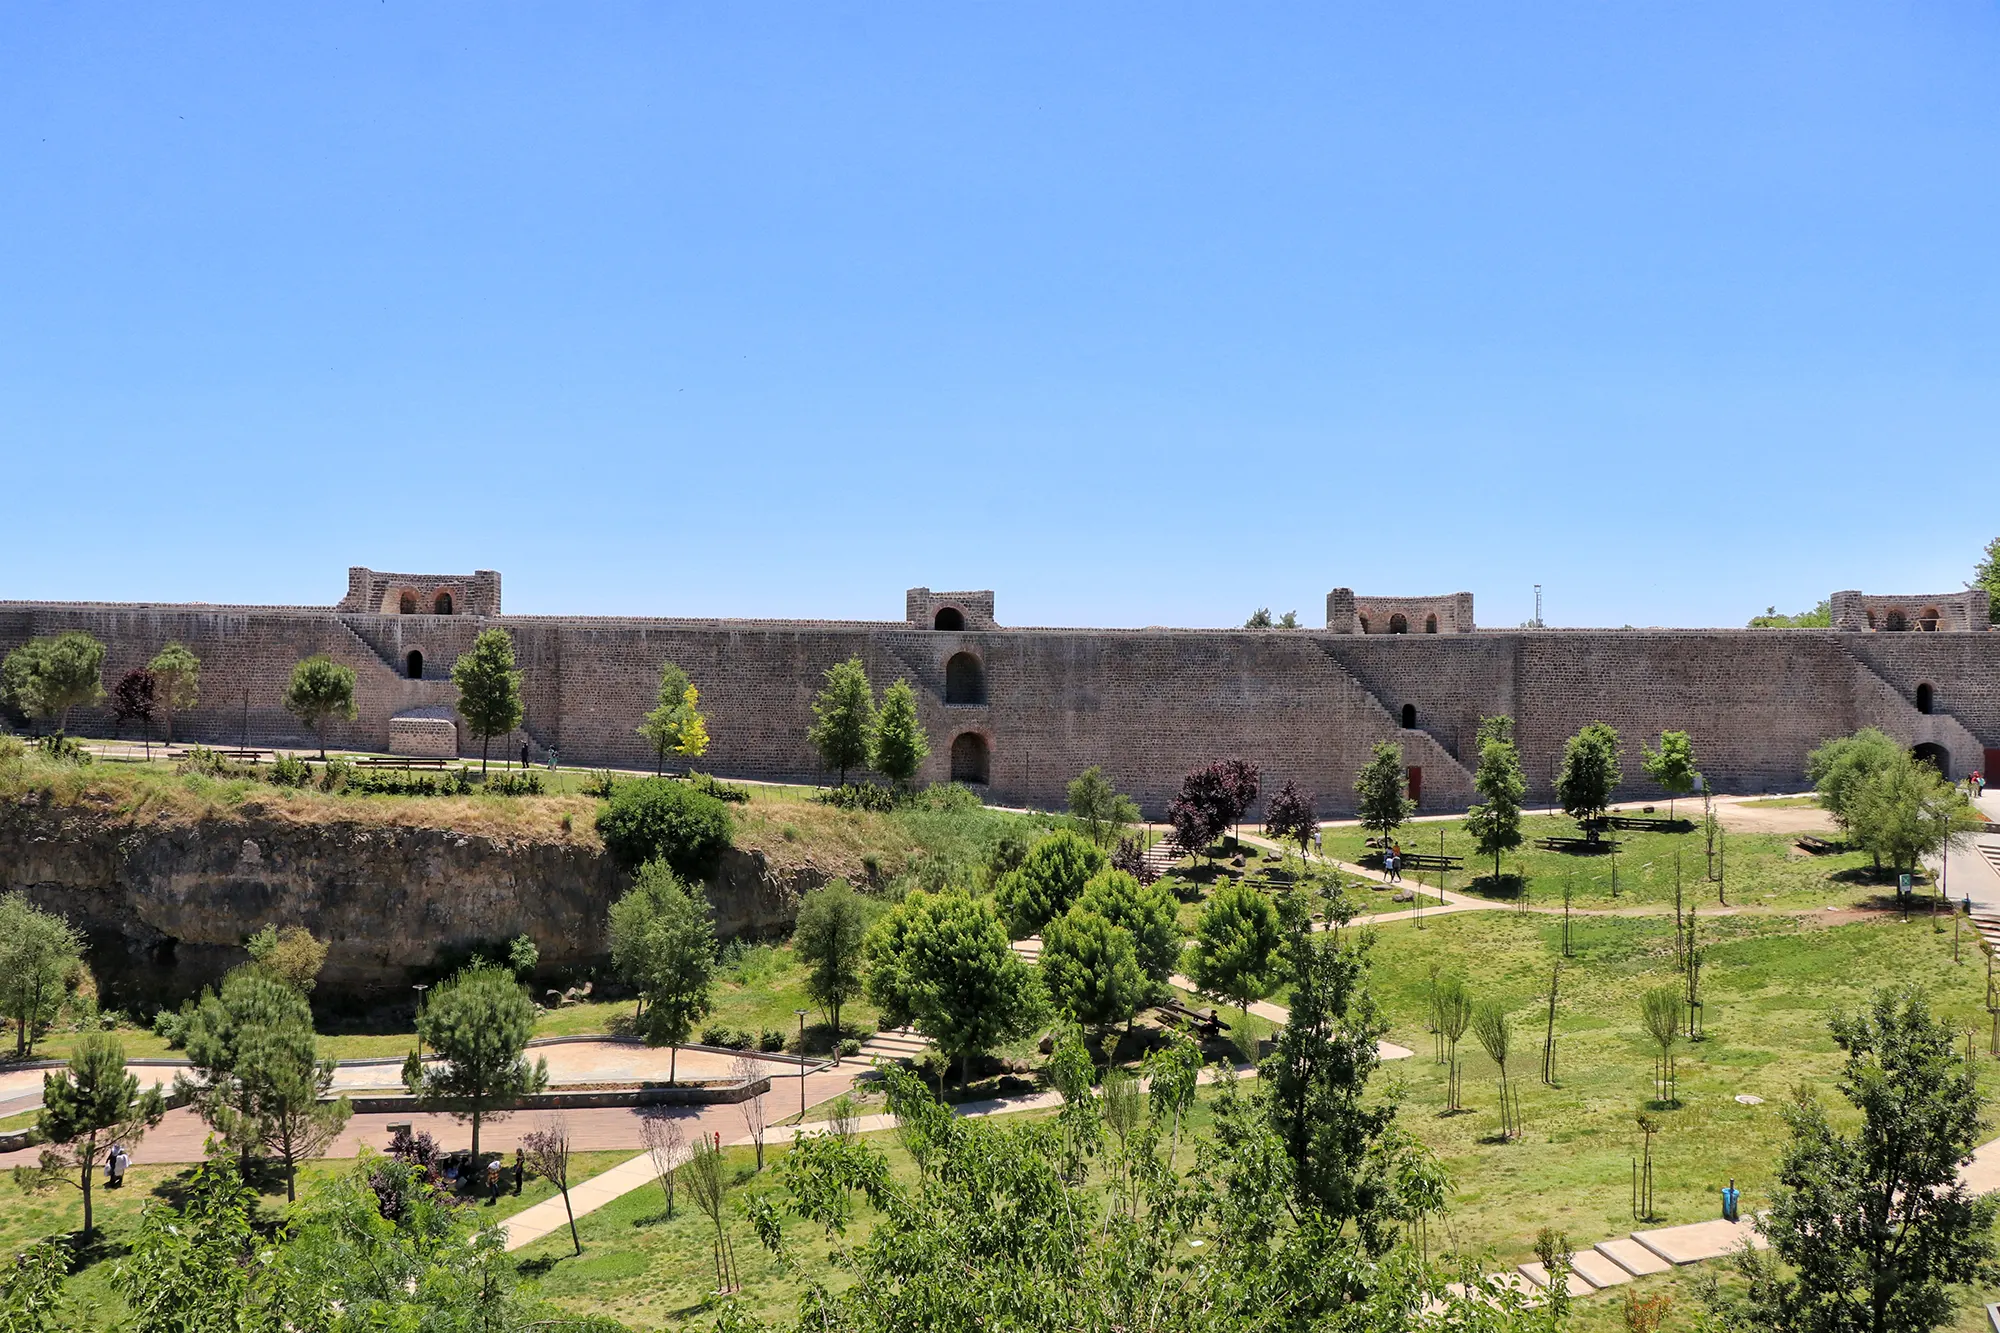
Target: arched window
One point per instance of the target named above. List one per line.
(1935, 755)
(408, 606)
(1895, 620)
(971, 758)
(1929, 619)
(1430, 624)
(949, 617)
(1399, 624)
(1924, 698)
(1409, 717)
(443, 604)
(413, 665)
(964, 680)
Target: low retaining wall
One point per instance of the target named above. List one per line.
(679, 1095)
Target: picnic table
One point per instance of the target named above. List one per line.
(1817, 846)
(1210, 1023)
(1655, 823)
(1577, 844)
(1412, 860)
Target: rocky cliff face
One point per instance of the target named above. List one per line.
(167, 902)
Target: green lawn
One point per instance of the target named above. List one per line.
(1758, 869)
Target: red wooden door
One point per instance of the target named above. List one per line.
(1416, 785)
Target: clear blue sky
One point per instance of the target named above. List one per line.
(1135, 313)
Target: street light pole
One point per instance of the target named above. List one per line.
(802, 1064)
(420, 989)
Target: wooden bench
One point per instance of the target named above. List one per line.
(247, 756)
(1210, 1023)
(402, 761)
(1577, 844)
(1418, 861)
(1817, 846)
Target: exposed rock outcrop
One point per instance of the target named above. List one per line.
(167, 902)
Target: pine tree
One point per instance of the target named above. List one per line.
(489, 689)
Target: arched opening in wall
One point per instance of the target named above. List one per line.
(1935, 755)
(971, 758)
(1430, 624)
(443, 604)
(1924, 698)
(948, 617)
(1364, 624)
(1409, 717)
(407, 604)
(413, 665)
(1399, 624)
(1894, 619)
(1929, 619)
(964, 680)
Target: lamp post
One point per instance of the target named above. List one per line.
(802, 1064)
(420, 989)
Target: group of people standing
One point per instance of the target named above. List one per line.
(116, 1163)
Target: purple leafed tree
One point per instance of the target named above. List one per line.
(1238, 778)
(1292, 817)
(1204, 807)
(1131, 858)
(132, 699)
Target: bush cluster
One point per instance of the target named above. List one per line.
(858, 796)
(65, 749)
(651, 819)
(708, 785)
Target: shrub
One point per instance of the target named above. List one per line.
(721, 791)
(600, 784)
(771, 1039)
(858, 796)
(525, 783)
(171, 1025)
(715, 1035)
(288, 771)
(742, 1040)
(850, 1046)
(200, 759)
(63, 749)
(651, 819)
(334, 775)
(950, 798)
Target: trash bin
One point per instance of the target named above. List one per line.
(1729, 1198)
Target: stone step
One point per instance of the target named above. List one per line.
(1631, 1256)
(1696, 1241)
(1599, 1271)
(1536, 1273)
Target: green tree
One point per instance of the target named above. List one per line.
(321, 689)
(1661, 1011)
(1495, 823)
(1906, 810)
(1986, 574)
(663, 725)
(87, 1107)
(1871, 1227)
(291, 955)
(899, 746)
(39, 952)
(1259, 619)
(1671, 766)
(31, 1291)
(192, 1265)
(663, 943)
(259, 1079)
(45, 678)
(1839, 767)
(1145, 911)
(832, 928)
(1495, 1032)
(844, 718)
(1100, 807)
(942, 962)
(478, 1023)
(1341, 1143)
(489, 689)
(1236, 945)
(1453, 1007)
(177, 675)
(1382, 791)
(1589, 773)
(1091, 970)
(1820, 617)
(1043, 886)
(658, 819)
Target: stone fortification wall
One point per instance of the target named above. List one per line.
(1147, 704)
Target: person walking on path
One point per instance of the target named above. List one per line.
(520, 1171)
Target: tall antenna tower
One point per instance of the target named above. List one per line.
(1538, 606)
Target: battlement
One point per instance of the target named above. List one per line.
(1450, 613)
(371, 592)
(1922, 612)
(949, 610)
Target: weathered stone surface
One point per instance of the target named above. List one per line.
(167, 903)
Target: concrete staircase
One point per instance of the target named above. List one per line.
(1442, 770)
(1614, 1262)
(902, 1044)
(1899, 717)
